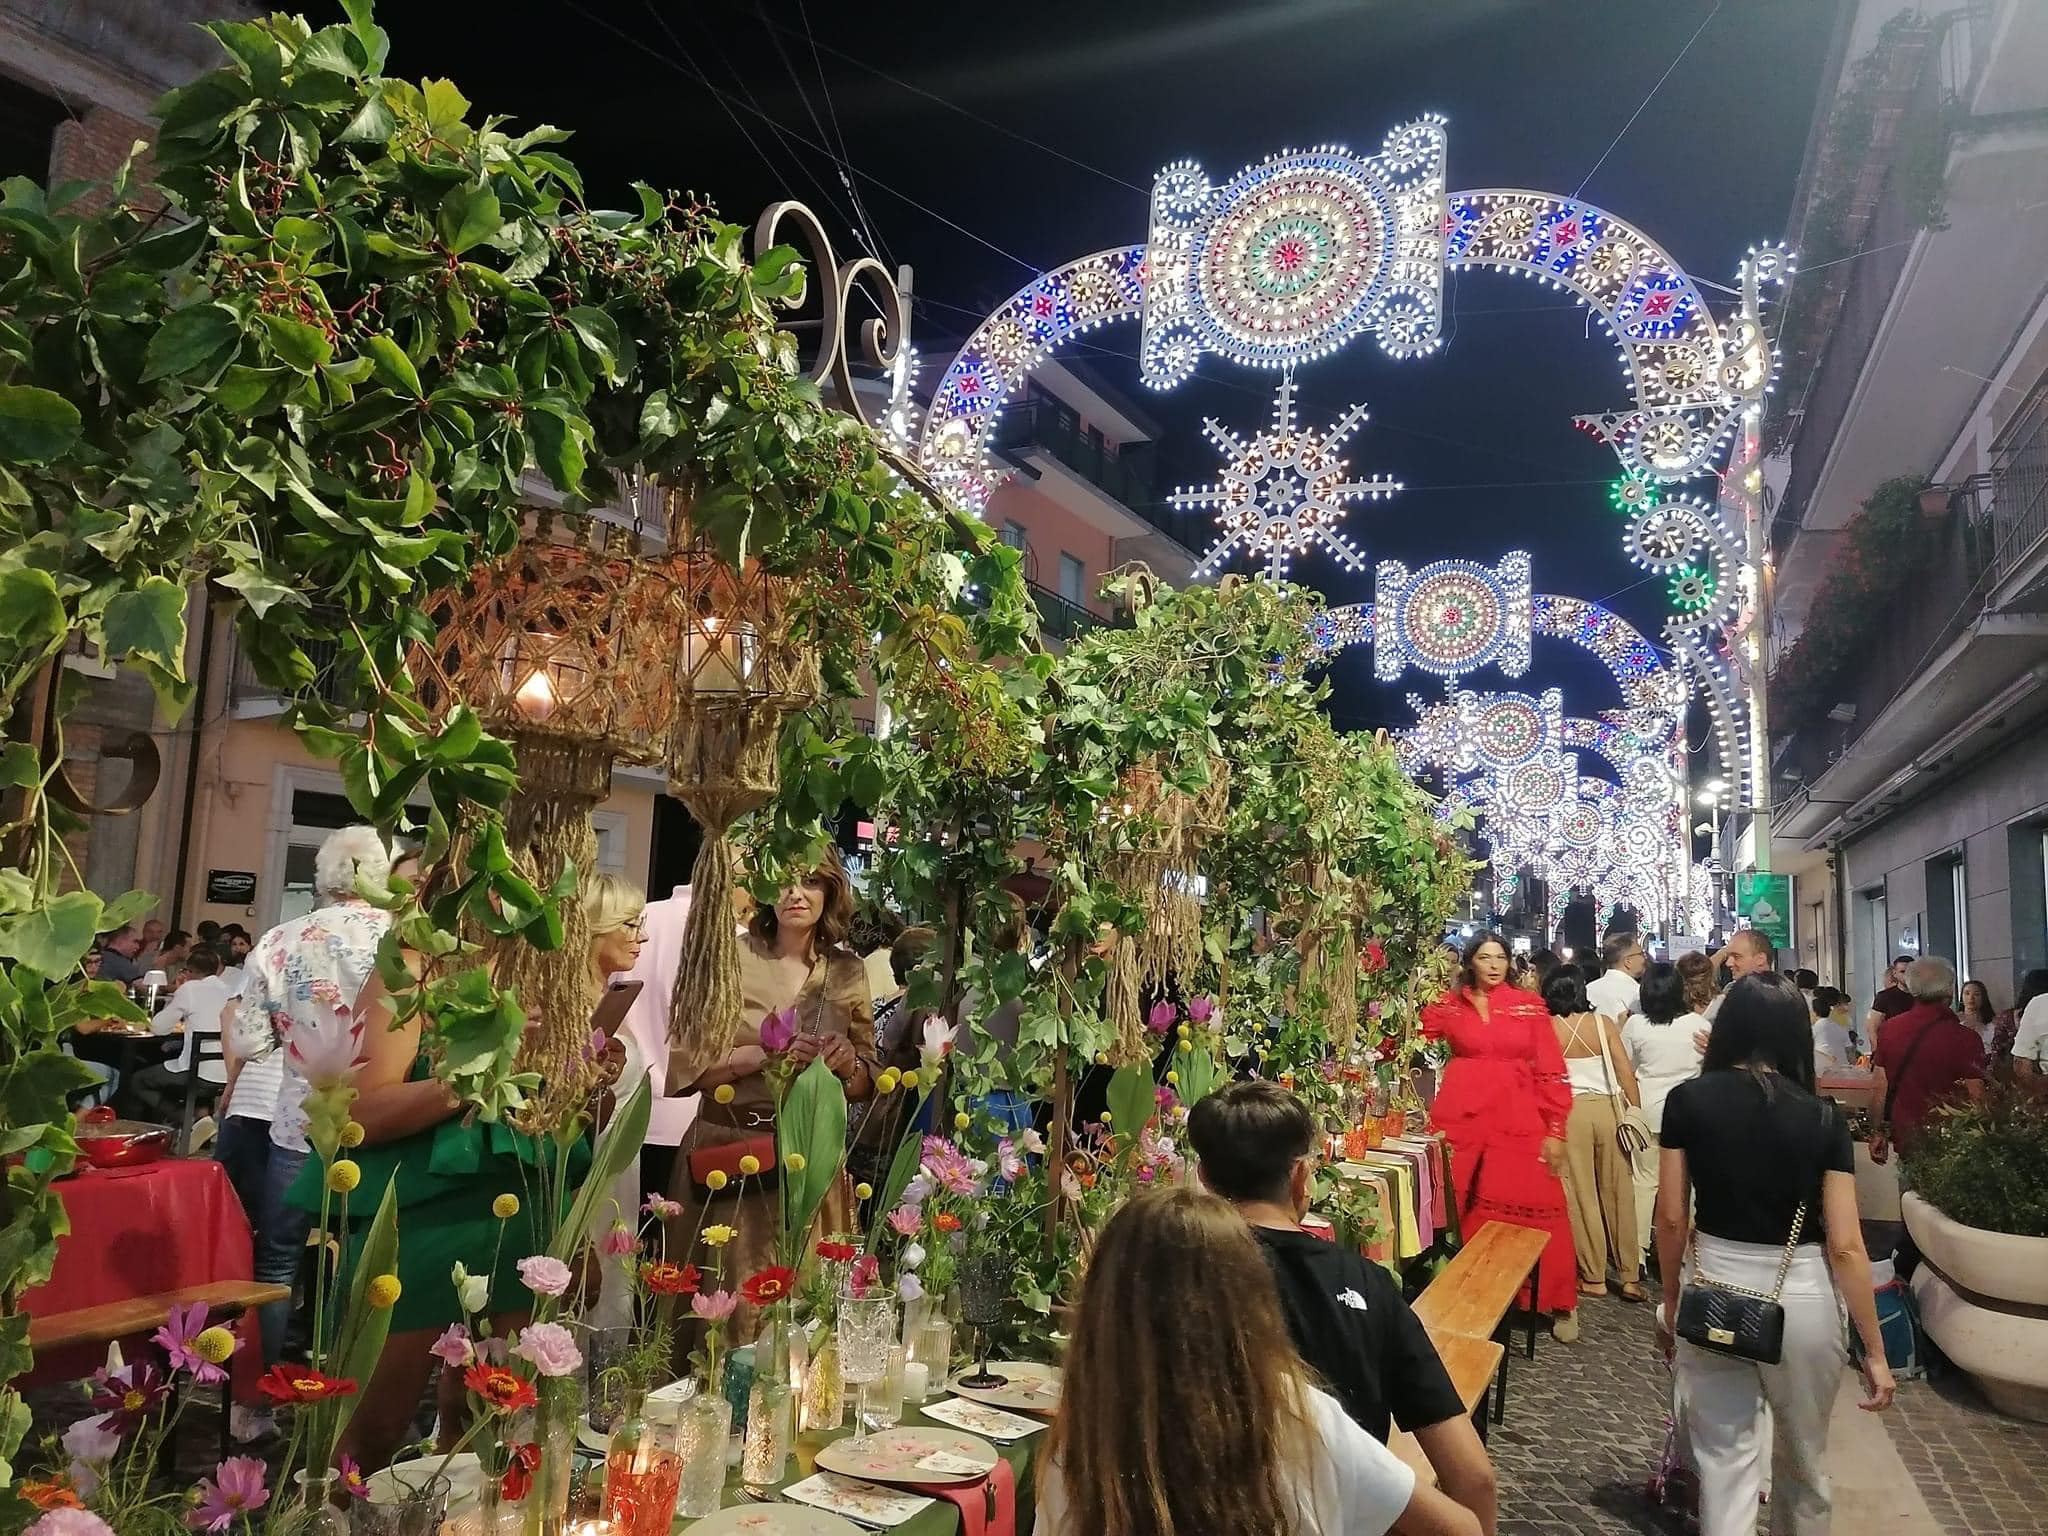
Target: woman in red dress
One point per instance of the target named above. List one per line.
(1503, 1105)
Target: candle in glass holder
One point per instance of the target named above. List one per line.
(717, 657)
(917, 1381)
(595, 1528)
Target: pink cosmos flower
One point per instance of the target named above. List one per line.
(714, 1306)
(70, 1522)
(905, 1220)
(1201, 1010)
(236, 1489)
(1165, 1097)
(1008, 1163)
(778, 1031)
(667, 1210)
(618, 1242)
(551, 1348)
(176, 1337)
(948, 1166)
(353, 1482)
(544, 1276)
(326, 1053)
(453, 1347)
(1162, 1017)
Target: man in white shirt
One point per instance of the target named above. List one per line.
(194, 1010)
(2030, 1038)
(1618, 991)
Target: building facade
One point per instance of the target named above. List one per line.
(1909, 692)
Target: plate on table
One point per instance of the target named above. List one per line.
(911, 1453)
(773, 1520)
(862, 1503)
(981, 1419)
(1033, 1387)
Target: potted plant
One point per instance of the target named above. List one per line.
(1978, 1209)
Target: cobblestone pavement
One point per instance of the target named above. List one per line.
(1981, 1473)
(1585, 1425)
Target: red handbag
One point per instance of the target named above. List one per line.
(725, 1158)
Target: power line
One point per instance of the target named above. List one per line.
(1647, 99)
(839, 135)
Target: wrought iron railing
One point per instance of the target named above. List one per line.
(1062, 617)
(2019, 486)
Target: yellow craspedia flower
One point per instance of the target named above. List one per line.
(505, 1207)
(720, 1235)
(962, 1120)
(1173, 1079)
(794, 1162)
(214, 1345)
(1106, 1117)
(723, 1093)
(382, 1291)
(1102, 1058)
(716, 1179)
(750, 1165)
(863, 1191)
(352, 1134)
(909, 1079)
(1187, 1032)
(887, 1082)
(343, 1175)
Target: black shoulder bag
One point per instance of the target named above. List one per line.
(1731, 1319)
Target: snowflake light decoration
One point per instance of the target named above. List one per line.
(1283, 492)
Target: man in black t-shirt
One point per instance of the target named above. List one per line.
(1254, 1141)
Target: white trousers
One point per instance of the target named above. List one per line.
(1723, 1397)
(1644, 1168)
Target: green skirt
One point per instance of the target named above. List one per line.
(446, 1179)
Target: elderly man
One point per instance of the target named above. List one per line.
(299, 973)
(1615, 994)
(121, 956)
(1928, 1056)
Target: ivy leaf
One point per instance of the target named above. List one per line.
(35, 613)
(196, 339)
(35, 424)
(17, 765)
(260, 592)
(51, 938)
(148, 622)
(468, 215)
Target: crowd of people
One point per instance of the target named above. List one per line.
(1660, 1121)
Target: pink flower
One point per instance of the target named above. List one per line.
(1165, 1097)
(778, 1031)
(667, 1210)
(1201, 1010)
(867, 1269)
(326, 1053)
(91, 1446)
(1031, 1142)
(176, 1337)
(714, 1306)
(544, 1276)
(453, 1347)
(352, 1481)
(551, 1348)
(236, 1489)
(599, 1042)
(1162, 1017)
(70, 1522)
(905, 1220)
(618, 1242)
(910, 1288)
(1008, 1163)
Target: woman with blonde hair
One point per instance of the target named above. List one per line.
(613, 908)
(794, 955)
(1186, 1412)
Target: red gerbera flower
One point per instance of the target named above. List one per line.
(303, 1384)
(771, 1284)
(837, 1253)
(502, 1390)
(518, 1477)
(670, 1279)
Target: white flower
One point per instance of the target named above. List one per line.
(325, 1054)
(1031, 1142)
(938, 1040)
(472, 1292)
(913, 1255)
(1070, 1186)
(91, 1449)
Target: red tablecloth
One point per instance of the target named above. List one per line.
(140, 1231)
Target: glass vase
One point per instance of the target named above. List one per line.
(824, 1401)
(643, 1471)
(770, 1410)
(605, 1348)
(545, 1509)
(316, 1514)
(412, 1500)
(781, 1349)
(703, 1431)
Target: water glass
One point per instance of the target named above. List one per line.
(933, 1348)
(409, 1500)
(766, 1457)
(883, 1408)
(701, 1433)
(867, 1332)
(605, 1347)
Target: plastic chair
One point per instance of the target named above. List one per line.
(206, 1050)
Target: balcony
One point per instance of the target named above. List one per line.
(250, 697)
(1111, 488)
(1061, 618)
(2019, 497)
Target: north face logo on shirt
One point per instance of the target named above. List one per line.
(1352, 1300)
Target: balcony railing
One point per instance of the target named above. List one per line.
(1061, 617)
(2019, 486)
(331, 681)
(1123, 473)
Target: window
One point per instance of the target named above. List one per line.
(1017, 537)
(1877, 938)
(1959, 906)
(1073, 580)
(1948, 911)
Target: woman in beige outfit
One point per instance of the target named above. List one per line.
(793, 954)
(1599, 1184)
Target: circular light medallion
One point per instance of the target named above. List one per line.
(1509, 729)
(1297, 254)
(1452, 618)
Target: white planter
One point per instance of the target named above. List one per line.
(1983, 1297)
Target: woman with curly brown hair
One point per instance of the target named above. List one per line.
(1186, 1412)
(793, 956)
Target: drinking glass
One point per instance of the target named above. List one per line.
(410, 1500)
(884, 1407)
(984, 1289)
(867, 1332)
(934, 1347)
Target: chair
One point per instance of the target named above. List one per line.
(201, 1083)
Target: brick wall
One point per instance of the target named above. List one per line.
(91, 147)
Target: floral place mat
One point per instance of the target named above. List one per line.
(911, 1454)
(773, 1520)
(1031, 1387)
(870, 1503)
(981, 1419)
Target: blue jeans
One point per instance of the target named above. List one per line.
(242, 1148)
(280, 1245)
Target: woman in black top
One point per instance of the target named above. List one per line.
(1749, 1147)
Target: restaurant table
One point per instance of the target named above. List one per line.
(941, 1519)
(139, 1232)
(127, 1049)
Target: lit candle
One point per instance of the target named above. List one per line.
(536, 695)
(917, 1381)
(594, 1528)
(716, 659)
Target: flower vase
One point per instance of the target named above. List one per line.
(824, 1402)
(642, 1471)
(316, 1514)
(916, 1315)
(494, 1514)
(703, 1434)
(545, 1509)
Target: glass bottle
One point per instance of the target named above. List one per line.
(703, 1431)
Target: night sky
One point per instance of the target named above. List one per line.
(1535, 91)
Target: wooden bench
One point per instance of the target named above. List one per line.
(1473, 1294)
(1471, 1364)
